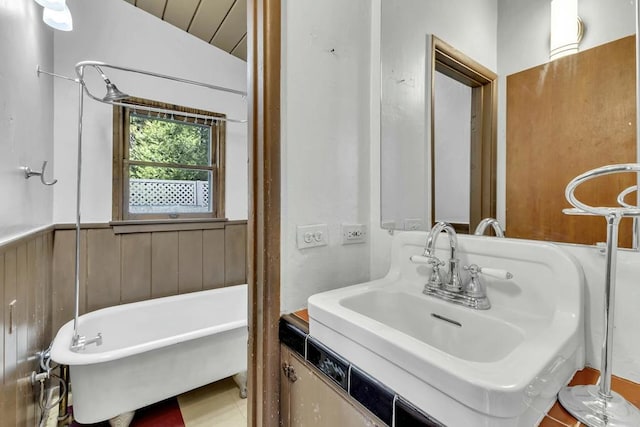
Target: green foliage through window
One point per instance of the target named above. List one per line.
(168, 141)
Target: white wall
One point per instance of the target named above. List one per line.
(26, 118)
(114, 31)
(452, 149)
(325, 141)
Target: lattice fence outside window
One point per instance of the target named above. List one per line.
(202, 192)
(160, 192)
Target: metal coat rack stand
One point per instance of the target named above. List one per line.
(598, 405)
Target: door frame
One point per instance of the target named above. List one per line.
(263, 266)
(484, 134)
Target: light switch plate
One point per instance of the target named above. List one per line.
(311, 236)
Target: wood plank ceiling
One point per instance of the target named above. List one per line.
(222, 23)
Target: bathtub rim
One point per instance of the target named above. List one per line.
(61, 346)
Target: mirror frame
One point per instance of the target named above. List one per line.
(484, 129)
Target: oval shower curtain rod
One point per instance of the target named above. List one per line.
(115, 97)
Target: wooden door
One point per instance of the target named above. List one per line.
(564, 118)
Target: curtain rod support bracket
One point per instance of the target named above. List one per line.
(41, 71)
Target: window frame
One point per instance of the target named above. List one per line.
(121, 161)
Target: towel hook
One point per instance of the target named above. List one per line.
(28, 173)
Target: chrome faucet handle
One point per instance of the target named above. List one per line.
(495, 272)
(435, 278)
(79, 342)
(97, 339)
(420, 259)
(476, 288)
(431, 260)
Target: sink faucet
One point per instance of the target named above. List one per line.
(482, 226)
(472, 294)
(452, 283)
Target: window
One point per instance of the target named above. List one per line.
(167, 165)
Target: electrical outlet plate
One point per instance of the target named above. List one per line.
(354, 233)
(412, 224)
(311, 236)
(388, 225)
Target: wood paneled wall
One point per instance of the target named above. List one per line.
(135, 266)
(564, 118)
(25, 277)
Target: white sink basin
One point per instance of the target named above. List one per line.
(496, 367)
(460, 333)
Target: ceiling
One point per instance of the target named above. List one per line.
(222, 23)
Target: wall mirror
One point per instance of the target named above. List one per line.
(463, 138)
(555, 119)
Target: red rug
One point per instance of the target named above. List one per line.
(162, 414)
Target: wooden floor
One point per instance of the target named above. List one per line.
(218, 404)
(215, 405)
(558, 417)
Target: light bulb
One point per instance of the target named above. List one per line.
(566, 28)
(59, 20)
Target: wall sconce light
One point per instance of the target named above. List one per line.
(56, 14)
(57, 5)
(566, 28)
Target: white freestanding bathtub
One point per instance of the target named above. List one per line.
(152, 350)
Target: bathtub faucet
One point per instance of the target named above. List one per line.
(79, 342)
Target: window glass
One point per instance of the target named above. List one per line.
(163, 140)
(170, 164)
